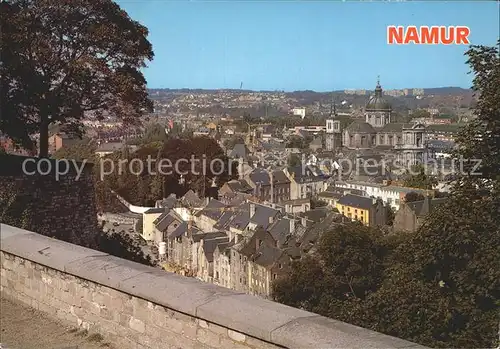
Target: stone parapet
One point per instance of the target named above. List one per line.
(135, 306)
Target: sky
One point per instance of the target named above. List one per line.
(306, 45)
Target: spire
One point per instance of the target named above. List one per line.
(333, 107)
(378, 88)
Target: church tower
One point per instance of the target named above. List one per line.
(333, 132)
(378, 110)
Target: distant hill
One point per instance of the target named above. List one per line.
(447, 91)
(451, 90)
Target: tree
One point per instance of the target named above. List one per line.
(123, 246)
(294, 160)
(390, 215)
(439, 286)
(154, 133)
(443, 287)
(61, 59)
(419, 179)
(480, 138)
(414, 196)
(421, 113)
(347, 266)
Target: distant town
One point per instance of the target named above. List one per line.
(291, 184)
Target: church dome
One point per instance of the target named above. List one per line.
(360, 127)
(377, 102)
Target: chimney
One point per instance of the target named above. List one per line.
(374, 200)
(271, 219)
(252, 209)
(236, 238)
(292, 226)
(426, 206)
(303, 221)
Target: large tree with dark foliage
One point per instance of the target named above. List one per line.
(62, 58)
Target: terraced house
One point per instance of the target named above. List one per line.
(369, 211)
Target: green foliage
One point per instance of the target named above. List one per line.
(154, 133)
(315, 203)
(347, 266)
(294, 160)
(421, 113)
(146, 188)
(414, 196)
(390, 215)
(298, 142)
(418, 178)
(123, 246)
(61, 59)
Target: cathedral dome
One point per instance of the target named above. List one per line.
(377, 102)
(360, 127)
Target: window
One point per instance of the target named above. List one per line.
(280, 266)
(396, 201)
(355, 211)
(275, 276)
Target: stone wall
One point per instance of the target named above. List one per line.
(62, 206)
(120, 218)
(135, 306)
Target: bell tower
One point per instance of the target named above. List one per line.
(333, 132)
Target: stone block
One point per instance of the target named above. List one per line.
(259, 344)
(236, 336)
(321, 332)
(250, 315)
(42, 250)
(172, 291)
(227, 343)
(105, 270)
(137, 325)
(207, 337)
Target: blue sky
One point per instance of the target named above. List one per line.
(298, 45)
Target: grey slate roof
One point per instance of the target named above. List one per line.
(359, 126)
(266, 256)
(210, 245)
(306, 174)
(262, 215)
(424, 207)
(207, 236)
(316, 215)
(223, 222)
(239, 185)
(361, 202)
(241, 217)
(155, 210)
(169, 201)
(213, 210)
(261, 176)
(395, 127)
(162, 222)
(280, 230)
(239, 151)
(190, 199)
(312, 235)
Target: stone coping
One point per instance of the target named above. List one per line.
(269, 321)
